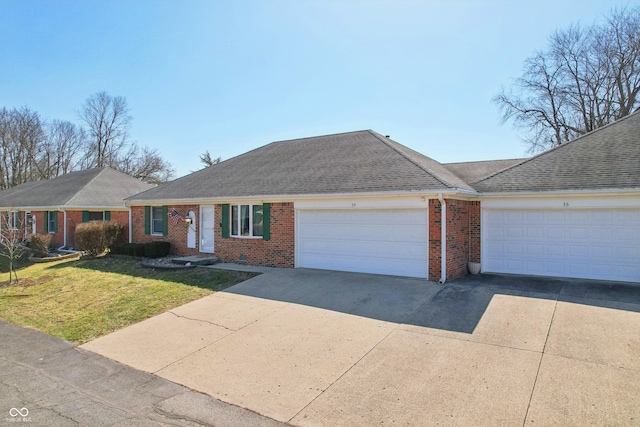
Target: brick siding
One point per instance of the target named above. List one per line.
(74, 217)
(279, 251)
(177, 233)
(463, 237)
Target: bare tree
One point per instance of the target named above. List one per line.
(586, 78)
(31, 149)
(63, 148)
(11, 243)
(21, 138)
(207, 160)
(146, 164)
(108, 120)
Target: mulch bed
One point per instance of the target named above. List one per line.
(163, 264)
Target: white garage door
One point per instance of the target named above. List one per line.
(368, 241)
(583, 243)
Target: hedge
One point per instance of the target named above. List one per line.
(129, 249)
(94, 237)
(39, 244)
(156, 249)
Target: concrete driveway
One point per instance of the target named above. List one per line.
(319, 348)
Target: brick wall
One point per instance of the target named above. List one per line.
(177, 234)
(279, 251)
(57, 239)
(463, 237)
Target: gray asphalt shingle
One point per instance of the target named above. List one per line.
(606, 158)
(474, 171)
(98, 187)
(353, 162)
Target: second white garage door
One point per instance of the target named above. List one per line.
(381, 241)
(582, 243)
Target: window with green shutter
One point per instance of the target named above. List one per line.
(225, 221)
(266, 221)
(147, 220)
(249, 221)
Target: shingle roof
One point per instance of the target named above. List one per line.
(354, 162)
(98, 187)
(606, 158)
(474, 171)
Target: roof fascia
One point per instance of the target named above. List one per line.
(64, 208)
(583, 193)
(447, 192)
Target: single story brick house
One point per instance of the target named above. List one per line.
(57, 205)
(362, 202)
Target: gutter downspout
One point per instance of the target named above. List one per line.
(64, 235)
(130, 226)
(443, 240)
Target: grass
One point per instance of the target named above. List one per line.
(82, 300)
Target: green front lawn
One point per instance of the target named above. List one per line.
(82, 300)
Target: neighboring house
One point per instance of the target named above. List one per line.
(58, 205)
(361, 202)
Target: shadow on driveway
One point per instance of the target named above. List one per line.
(457, 306)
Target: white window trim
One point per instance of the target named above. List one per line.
(49, 223)
(240, 236)
(152, 232)
(13, 216)
(102, 212)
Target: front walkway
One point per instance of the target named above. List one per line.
(326, 348)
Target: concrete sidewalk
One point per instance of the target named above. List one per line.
(314, 348)
(45, 381)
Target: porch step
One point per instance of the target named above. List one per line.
(196, 260)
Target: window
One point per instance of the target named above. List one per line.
(51, 221)
(157, 220)
(246, 220)
(13, 220)
(96, 216)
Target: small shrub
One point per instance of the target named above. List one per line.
(39, 244)
(156, 249)
(94, 237)
(129, 249)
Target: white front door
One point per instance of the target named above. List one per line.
(207, 224)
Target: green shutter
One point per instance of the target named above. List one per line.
(107, 215)
(266, 221)
(225, 221)
(45, 222)
(165, 220)
(6, 221)
(19, 224)
(147, 220)
(85, 216)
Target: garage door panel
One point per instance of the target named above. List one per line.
(586, 243)
(384, 241)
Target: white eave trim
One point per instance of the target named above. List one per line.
(563, 193)
(432, 194)
(65, 208)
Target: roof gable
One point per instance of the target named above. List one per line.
(606, 158)
(354, 162)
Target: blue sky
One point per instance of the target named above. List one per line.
(230, 76)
